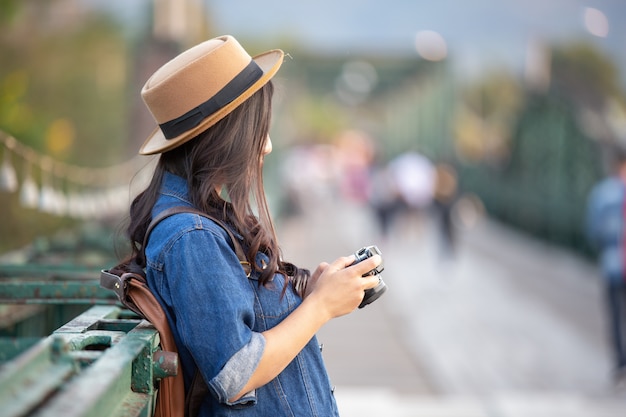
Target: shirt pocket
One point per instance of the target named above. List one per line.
(272, 301)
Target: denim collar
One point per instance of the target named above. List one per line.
(175, 192)
(176, 187)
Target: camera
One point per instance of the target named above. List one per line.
(371, 294)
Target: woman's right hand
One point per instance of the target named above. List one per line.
(339, 287)
(333, 290)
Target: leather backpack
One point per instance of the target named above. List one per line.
(133, 293)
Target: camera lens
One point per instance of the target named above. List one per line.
(373, 294)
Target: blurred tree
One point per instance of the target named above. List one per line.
(487, 113)
(8, 9)
(583, 74)
(63, 93)
(64, 68)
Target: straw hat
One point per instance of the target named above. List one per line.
(200, 86)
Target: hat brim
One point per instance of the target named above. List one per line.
(269, 62)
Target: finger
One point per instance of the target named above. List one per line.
(321, 267)
(319, 270)
(367, 264)
(370, 282)
(343, 262)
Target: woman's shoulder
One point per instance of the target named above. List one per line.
(182, 245)
(189, 227)
(190, 222)
(191, 236)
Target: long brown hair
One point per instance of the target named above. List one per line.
(229, 155)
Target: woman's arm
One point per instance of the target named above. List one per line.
(337, 289)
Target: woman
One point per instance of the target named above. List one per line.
(251, 335)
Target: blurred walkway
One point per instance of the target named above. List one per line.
(507, 327)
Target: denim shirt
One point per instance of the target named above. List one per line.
(605, 226)
(217, 316)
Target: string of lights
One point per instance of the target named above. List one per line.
(69, 190)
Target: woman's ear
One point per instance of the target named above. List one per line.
(268, 145)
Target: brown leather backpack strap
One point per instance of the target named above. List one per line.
(171, 395)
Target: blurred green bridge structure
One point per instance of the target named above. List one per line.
(530, 151)
(67, 347)
(532, 163)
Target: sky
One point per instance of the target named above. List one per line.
(476, 33)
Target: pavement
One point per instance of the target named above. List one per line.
(505, 326)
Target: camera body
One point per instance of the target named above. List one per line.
(371, 294)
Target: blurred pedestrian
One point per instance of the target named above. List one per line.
(384, 199)
(606, 229)
(414, 176)
(247, 325)
(444, 198)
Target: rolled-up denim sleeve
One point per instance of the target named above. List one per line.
(214, 307)
(237, 371)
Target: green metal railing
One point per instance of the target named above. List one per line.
(35, 300)
(68, 348)
(104, 362)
